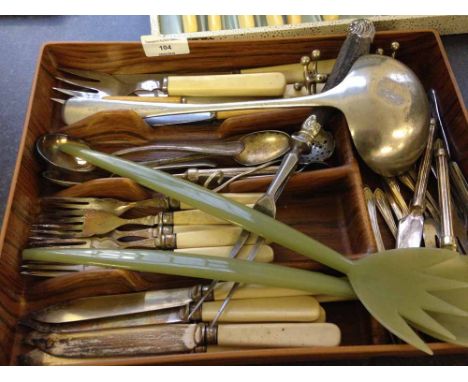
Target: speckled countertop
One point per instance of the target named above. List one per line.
(21, 39)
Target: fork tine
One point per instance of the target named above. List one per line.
(52, 233)
(79, 83)
(54, 227)
(47, 219)
(60, 243)
(47, 273)
(63, 211)
(76, 93)
(59, 100)
(68, 199)
(51, 267)
(87, 74)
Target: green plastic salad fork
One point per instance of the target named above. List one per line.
(400, 287)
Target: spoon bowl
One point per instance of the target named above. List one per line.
(48, 148)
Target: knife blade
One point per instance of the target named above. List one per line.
(181, 338)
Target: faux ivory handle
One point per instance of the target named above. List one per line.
(244, 198)
(292, 72)
(248, 291)
(210, 238)
(276, 309)
(227, 85)
(196, 217)
(145, 99)
(264, 255)
(279, 335)
(260, 291)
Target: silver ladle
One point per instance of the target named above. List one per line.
(384, 103)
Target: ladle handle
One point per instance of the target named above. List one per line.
(424, 168)
(357, 43)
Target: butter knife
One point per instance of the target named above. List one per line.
(410, 228)
(271, 309)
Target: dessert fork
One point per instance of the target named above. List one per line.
(219, 85)
(117, 207)
(86, 223)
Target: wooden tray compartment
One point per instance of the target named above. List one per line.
(336, 191)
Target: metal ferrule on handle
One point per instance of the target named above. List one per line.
(424, 168)
(447, 237)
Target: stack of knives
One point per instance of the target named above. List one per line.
(156, 322)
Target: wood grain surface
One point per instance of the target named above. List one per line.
(327, 204)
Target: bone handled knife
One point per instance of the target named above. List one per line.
(98, 307)
(181, 338)
(410, 228)
(273, 309)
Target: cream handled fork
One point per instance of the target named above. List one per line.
(269, 84)
(91, 222)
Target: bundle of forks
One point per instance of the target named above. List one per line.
(97, 223)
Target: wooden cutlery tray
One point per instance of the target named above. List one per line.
(326, 204)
